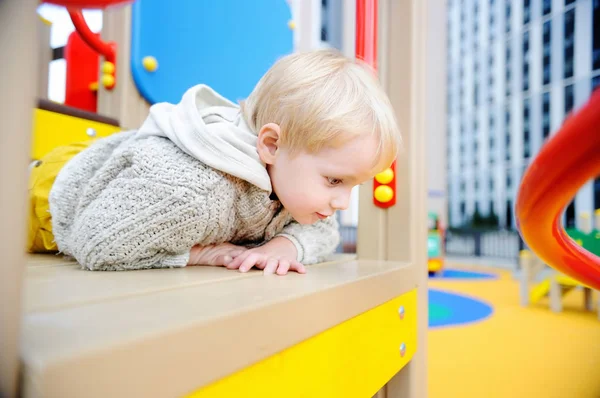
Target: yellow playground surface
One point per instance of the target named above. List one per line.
(516, 352)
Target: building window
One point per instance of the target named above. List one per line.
(507, 13)
(595, 82)
(526, 129)
(597, 193)
(567, 2)
(570, 215)
(546, 7)
(596, 36)
(492, 21)
(569, 99)
(546, 115)
(526, 11)
(508, 74)
(569, 44)
(547, 52)
(526, 61)
(507, 134)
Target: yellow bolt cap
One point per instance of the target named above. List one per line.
(108, 80)
(150, 63)
(385, 176)
(108, 67)
(383, 193)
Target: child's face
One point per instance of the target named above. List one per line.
(313, 186)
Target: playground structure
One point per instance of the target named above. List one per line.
(538, 280)
(358, 325)
(567, 161)
(435, 244)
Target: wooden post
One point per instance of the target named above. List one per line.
(124, 102)
(525, 260)
(18, 88)
(411, 47)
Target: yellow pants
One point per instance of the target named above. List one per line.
(41, 177)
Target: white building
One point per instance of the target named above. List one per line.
(515, 69)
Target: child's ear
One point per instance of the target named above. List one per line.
(268, 142)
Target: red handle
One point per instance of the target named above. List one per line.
(366, 31)
(568, 160)
(101, 47)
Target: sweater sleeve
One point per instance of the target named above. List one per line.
(130, 218)
(314, 242)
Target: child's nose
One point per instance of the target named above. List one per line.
(341, 202)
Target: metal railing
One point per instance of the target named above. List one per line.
(474, 243)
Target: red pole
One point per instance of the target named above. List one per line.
(366, 31)
(106, 49)
(384, 189)
(109, 50)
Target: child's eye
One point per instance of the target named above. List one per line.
(334, 181)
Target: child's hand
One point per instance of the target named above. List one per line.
(219, 255)
(276, 256)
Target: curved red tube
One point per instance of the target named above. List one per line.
(101, 47)
(563, 166)
(87, 3)
(366, 31)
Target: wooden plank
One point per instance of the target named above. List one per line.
(196, 334)
(18, 88)
(52, 106)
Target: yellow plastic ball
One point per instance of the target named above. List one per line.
(292, 24)
(383, 193)
(108, 67)
(150, 63)
(108, 80)
(385, 176)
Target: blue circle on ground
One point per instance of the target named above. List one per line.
(458, 274)
(450, 309)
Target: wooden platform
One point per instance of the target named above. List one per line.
(168, 333)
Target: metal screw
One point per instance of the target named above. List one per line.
(90, 132)
(401, 312)
(402, 349)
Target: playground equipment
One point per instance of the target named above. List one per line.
(347, 328)
(435, 244)
(567, 161)
(538, 281)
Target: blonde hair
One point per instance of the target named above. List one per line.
(323, 99)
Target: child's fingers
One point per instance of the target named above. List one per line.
(271, 266)
(298, 267)
(250, 262)
(238, 260)
(284, 266)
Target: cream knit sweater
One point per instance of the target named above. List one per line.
(131, 202)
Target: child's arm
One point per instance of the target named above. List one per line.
(314, 242)
(295, 246)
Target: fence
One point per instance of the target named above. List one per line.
(496, 243)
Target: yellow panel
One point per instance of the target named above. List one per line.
(353, 359)
(539, 291)
(52, 129)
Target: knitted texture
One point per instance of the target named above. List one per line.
(128, 202)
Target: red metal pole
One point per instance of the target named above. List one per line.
(366, 31)
(108, 50)
(89, 37)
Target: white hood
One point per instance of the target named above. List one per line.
(211, 129)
